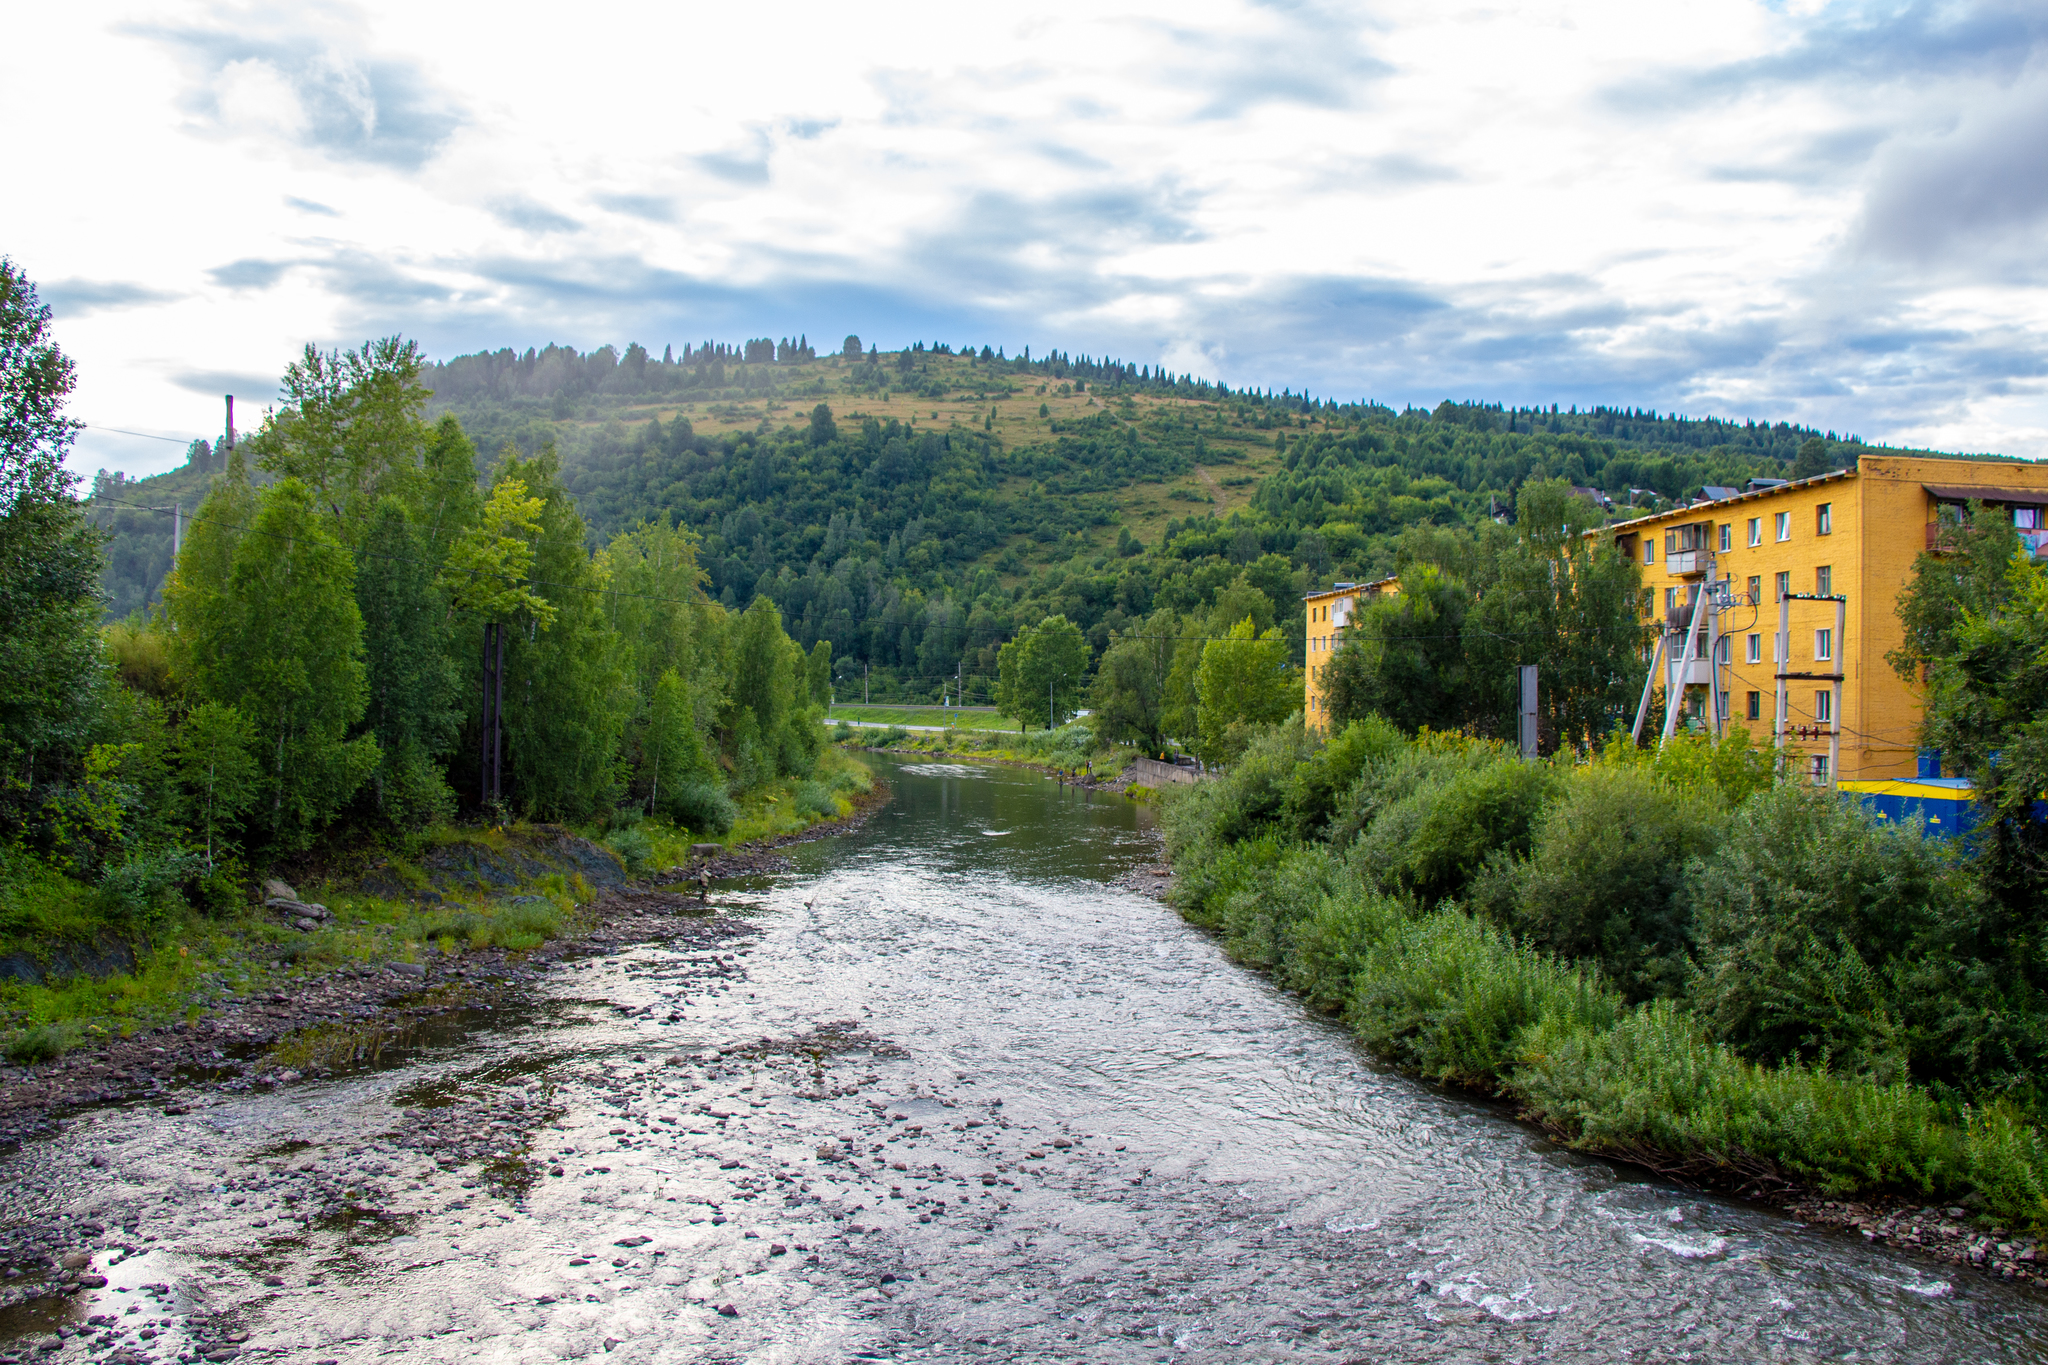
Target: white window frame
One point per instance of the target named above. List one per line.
(1783, 526)
(1824, 706)
(1727, 536)
(1819, 770)
(1649, 550)
(1756, 532)
(1756, 650)
(1824, 645)
(1824, 519)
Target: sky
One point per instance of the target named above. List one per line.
(1829, 213)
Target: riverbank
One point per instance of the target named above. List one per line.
(289, 1026)
(1067, 755)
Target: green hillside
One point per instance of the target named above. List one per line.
(914, 508)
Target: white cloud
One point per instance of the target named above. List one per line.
(1767, 211)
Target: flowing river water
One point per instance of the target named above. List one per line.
(945, 1091)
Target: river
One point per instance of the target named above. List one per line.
(943, 1092)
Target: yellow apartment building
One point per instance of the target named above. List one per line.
(1825, 560)
(1328, 614)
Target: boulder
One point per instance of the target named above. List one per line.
(706, 850)
(273, 889)
(292, 908)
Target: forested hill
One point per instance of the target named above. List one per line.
(915, 507)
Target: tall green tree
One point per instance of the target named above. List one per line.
(1042, 673)
(283, 644)
(1403, 656)
(1976, 619)
(569, 689)
(218, 768)
(353, 430)
(672, 758)
(1244, 681)
(410, 673)
(49, 559)
(1129, 696)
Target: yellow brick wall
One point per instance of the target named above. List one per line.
(1321, 611)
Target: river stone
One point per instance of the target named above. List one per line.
(295, 909)
(706, 850)
(405, 968)
(273, 889)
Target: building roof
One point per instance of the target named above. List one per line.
(1341, 589)
(1964, 492)
(1792, 485)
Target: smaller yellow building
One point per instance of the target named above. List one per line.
(1328, 614)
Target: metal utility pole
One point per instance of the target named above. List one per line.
(1635, 733)
(231, 423)
(1838, 645)
(1674, 698)
(1527, 727)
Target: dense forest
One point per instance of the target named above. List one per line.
(915, 543)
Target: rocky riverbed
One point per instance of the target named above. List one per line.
(941, 1090)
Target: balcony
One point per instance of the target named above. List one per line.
(1688, 563)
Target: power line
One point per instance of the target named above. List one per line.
(175, 440)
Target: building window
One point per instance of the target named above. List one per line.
(1824, 580)
(2027, 518)
(1784, 526)
(1784, 582)
(1721, 650)
(1756, 531)
(1824, 519)
(1824, 706)
(1756, 702)
(1823, 645)
(1756, 651)
(1670, 599)
(1721, 706)
(1727, 536)
(1649, 550)
(1819, 769)
(1756, 589)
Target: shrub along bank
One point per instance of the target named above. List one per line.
(1666, 957)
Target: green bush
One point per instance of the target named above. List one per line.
(1606, 876)
(633, 846)
(1824, 935)
(1433, 842)
(1452, 998)
(42, 1043)
(703, 805)
(813, 798)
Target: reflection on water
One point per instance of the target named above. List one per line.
(953, 1095)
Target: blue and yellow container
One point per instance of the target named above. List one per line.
(1943, 807)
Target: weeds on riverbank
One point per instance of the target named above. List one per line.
(1665, 958)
